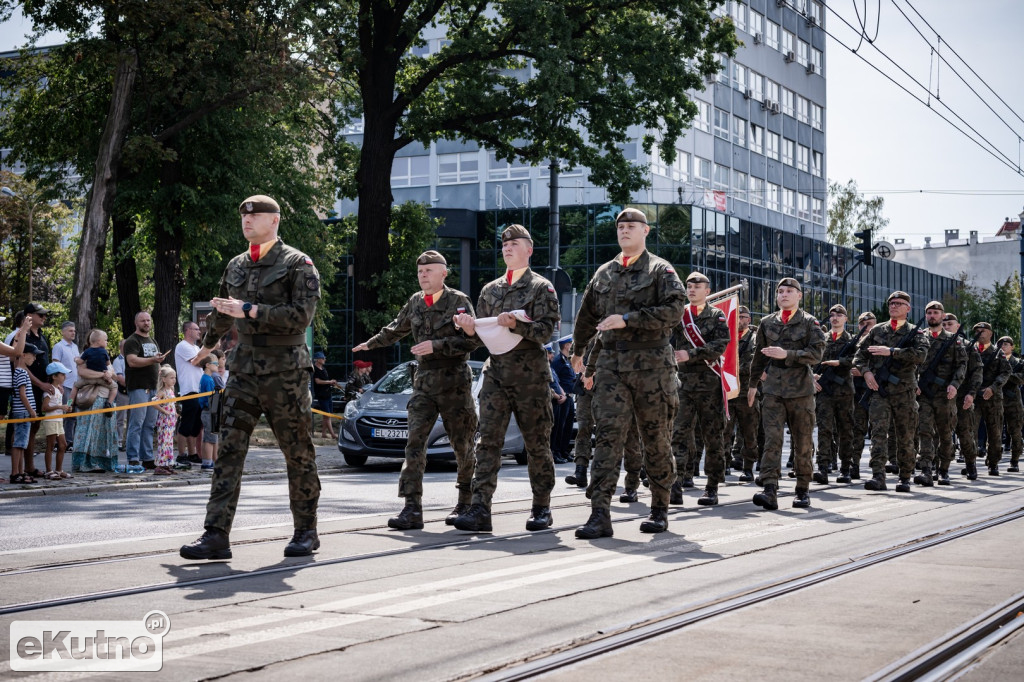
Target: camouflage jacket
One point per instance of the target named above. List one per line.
(694, 374)
(804, 342)
(972, 380)
(1011, 389)
(648, 292)
(995, 371)
(745, 350)
(839, 377)
(430, 323)
(950, 369)
(904, 361)
(534, 295)
(285, 286)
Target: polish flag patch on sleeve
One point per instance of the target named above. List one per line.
(460, 311)
(551, 289)
(309, 261)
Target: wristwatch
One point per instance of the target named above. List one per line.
(246, 307)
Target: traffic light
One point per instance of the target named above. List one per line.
(864, 246)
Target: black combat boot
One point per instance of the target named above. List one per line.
(213, 544)
(676, 494)
(599, 525)
(747, 476)
(802, 499)
(540, 518)
(993, 471)
(892, 468)
(971, 472)
(736, 463)
(657, 522)
(821, 476)
(903, 486)
(925, 477)
(579, 477)
(834, 464)
(628, 496)
(477, 518)
(855, 472)
(944, 477)
(876, 482)
(1013, 468)
(410, 518)
(303, 543)
(758, 481)
(844, 475)
(768, 498)
(687, 481)
(710, 496)
(460, 509)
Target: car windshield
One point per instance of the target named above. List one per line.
(396, 381)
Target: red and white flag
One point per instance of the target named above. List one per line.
(730, 360)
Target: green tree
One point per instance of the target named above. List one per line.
(999, 306)
(532, 79)
(849, 211)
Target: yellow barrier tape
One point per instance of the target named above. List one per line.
(328, 414)
(75, 415)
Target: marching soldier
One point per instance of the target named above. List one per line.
(995, 372)
(442, 384)
(699, 342)
(834, 400)
(887, 357)
(789, 343)
(942, 373)
(515, 382)
(744, 418)
(1013, 409)
(635, 301)
(861, 425)
(584, 390)
(966, 415)
(269, 293)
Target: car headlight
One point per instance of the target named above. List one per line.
(351, 408)
(443, 440)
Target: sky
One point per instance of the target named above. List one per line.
(891, 144)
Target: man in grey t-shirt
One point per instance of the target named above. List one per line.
(142, 369)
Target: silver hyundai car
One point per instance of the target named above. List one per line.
(377, 423)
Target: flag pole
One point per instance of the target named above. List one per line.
(742, 286)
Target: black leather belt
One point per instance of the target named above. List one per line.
(261, 340)
(638, 345)
(442, 363)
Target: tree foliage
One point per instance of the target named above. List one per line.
(849, 212)
(999, 306)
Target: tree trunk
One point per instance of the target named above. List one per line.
(126, 274)
(89, 266)
(168, 280)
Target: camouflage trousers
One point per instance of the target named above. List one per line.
(585, 418)
(967, 431)
(991, 412)
(530, 401)
(744, 422)
(706, 411)
(285, 399)
(455, 405)
(834, 416)
(633, 457)
(861, 425)
(897, 411)
(936, 420)
(776, 412)
(647, 400)
(1013, 417)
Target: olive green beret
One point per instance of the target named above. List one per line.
(981, 325)
(866, 316)
(790, 282)
(429, 257)
(837, 308)
(935, 305)
(631, 215)
(515, 232)
(259, 203)
(743, 310)
(697, 277)
(1004, 339)
(898, 294)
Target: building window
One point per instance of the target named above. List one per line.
(799, 5)
(771, 36)
(756, 138)
(773, 197)
(701, 172)
(703, 119)
(818, 12)
(353, 127)
(724, 72)
(738, 12)
(816, 116)
(816, 164)
(658, 166)
(756, 24)
(681, 167)
(563, 169)
(739, 185)
(803, 109)
(455, 168)
(721, 123)
(739, 131)
(805, 207)
(802, 52)
(772, 145)
(755, 83)
(788, 42)
(818, 211)
(787, 101)
(772, 91)
(788, 151)
(757, 191)
(721, 180)
(500, 169)
(818, 59)
(739, 76)
(803, 157)
(788, 201)
(410, 171)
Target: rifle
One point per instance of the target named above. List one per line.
(828, 378)
(929, 380)
(884, 375)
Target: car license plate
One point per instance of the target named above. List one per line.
(391, 434)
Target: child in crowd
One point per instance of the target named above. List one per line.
(210, 381)
(166, 419)
(96, 358)
(53, 429)
(24, 408)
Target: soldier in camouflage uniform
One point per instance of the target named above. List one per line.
(584, 418)
(834, 400)
(442, 384)
(1013, 408)
(896, 348)
(635, 301)
(861, 425)
(516, 382)
(699, 342)
(269, 294)
(744, 419)
(940, 376)
(788, 345)
(966, 416)
(995, 372)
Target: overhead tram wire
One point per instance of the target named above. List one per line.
(999, 156)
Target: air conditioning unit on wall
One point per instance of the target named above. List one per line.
(790, 57)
